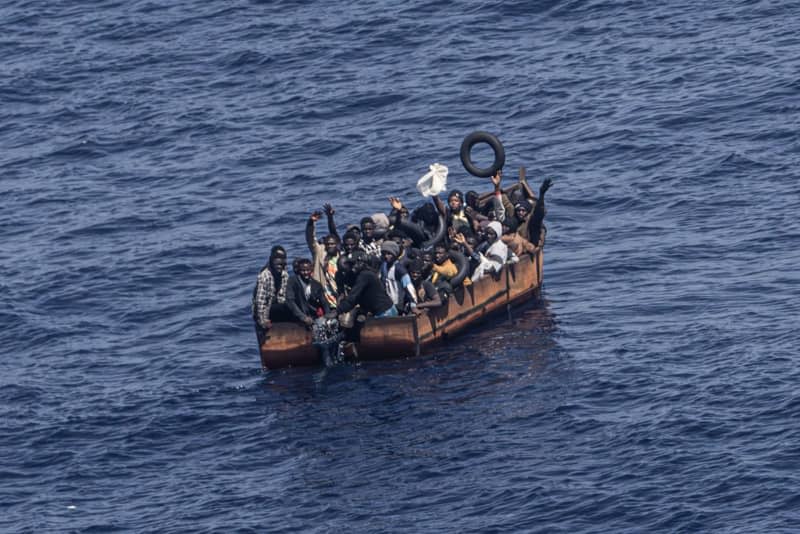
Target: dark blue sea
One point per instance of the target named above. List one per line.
(152, 152)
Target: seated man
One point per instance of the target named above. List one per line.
(427, 296)
(496, 255)
(367, 292)
(444, 269)
(468, 246)
(269, 295)
(395, 277)
(304, 295)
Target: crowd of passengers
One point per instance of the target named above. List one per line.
(399, 263)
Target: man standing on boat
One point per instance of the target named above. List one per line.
(325, 257)
(269, 295)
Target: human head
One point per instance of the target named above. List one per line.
(331, 244)
(522, 209)
(398, 238)
(390, 251)
(427, 260)
(349, 242)
(493, 231)
(368, 229)
(440, 254)
(304, 267)
(354, 229)
(277, 258)
(480, 233)
(455, 200)
(358, 261)
(416, 270)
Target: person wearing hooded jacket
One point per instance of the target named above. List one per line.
(495, 256)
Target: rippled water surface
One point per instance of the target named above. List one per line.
(151, 153)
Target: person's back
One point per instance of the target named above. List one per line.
(367, 292)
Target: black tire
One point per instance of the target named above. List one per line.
(438, 236)
(482, 137)
(463, 267)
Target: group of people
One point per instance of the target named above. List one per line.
(400, 263)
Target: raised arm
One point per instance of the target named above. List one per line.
(439, 205)
(524, 183)
(537, 218)
(311, 233)
(329, 211)
(497, 200)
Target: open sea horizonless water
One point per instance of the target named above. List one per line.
(151, 153)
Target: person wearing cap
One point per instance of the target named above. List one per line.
(269, 295)
(395, 278)
(455, 213)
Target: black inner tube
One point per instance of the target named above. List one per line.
(466, 157)
(463, 267)
(438, 236)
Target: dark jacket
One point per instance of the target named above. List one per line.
(369, 293)
(297, 302)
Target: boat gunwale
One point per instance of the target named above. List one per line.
(301, 352)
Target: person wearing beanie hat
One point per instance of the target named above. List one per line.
(392, 247)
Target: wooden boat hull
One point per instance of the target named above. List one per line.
(289, 344)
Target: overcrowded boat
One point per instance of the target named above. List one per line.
(400, 284)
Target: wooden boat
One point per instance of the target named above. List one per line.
(289, 344)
